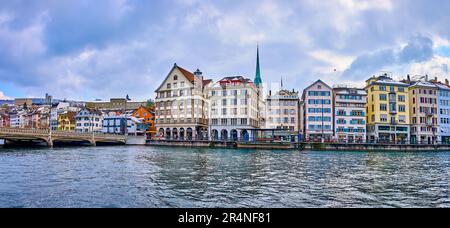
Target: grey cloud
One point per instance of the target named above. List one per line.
(419, 49)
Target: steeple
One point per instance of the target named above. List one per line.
(282, 86)
(258, 80)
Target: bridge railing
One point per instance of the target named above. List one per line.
(23, 131)
(57, 133)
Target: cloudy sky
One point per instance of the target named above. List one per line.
(88, 49)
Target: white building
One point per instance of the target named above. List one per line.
(283, 111)
(234, 109)
(89, 120)
(116, 125)
(58, 108)
(350, 114)
(318, 108)
(181, 106)
(17, 119)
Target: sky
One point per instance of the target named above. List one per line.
(98, 49)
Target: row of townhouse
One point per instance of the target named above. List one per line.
(234, 108)
(188, 106)
(62, 116)
(386, 110)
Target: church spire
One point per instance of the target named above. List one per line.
(282, 86)
(258, 80)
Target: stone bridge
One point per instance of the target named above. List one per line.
(44, 135)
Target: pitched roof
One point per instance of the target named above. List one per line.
(190, 76)
(206, 82)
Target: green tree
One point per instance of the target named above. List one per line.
(150, 103)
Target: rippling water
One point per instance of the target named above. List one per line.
(180, 177)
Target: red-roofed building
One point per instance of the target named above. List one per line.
(181, 106)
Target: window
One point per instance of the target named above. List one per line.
(182, 84)
(383, 107)
(169, 86)
(383, 88)
(401, 98)
(175, 77)
(402, 108)
(383, 118)
(383, 97)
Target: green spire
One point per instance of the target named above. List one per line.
(258, 80)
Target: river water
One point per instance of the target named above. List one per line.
(179, 177)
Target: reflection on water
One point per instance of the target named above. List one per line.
(180, 177)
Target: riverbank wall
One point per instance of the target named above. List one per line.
(304, 146)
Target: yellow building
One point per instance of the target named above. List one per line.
(66, 121)
(388, 118)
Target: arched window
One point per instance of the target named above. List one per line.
(175, 77)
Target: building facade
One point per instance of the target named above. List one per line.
(148, 117)
(350, 114)
(233, 109)
(387, 110)
(17, 119)
(318, 112)
(182, 106)
(116, 104)
(444, 112)
(122, 125)
(89, 120)
(283, 111)
(66, 121)
(423, 99)
(4, 120)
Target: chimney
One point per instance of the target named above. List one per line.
(446, 82)
(270, 92)
(426, 77)
(435, 79)
(408, 78)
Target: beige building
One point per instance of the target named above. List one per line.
(116, 104)
(20, 102)
(182, 106)
(283, 111)
(234, 109)
(423, 97)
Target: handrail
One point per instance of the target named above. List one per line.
(57, 133)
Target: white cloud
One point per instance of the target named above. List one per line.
(333, 60)
(361, 5)
(3, 97)
(438, 66)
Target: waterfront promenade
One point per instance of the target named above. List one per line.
(303, 146)
(13, 136)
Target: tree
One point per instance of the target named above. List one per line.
(150, 103)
